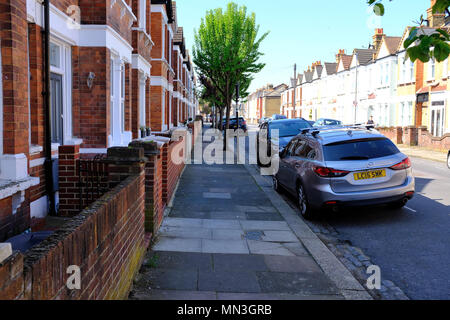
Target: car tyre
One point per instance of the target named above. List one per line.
(276, 184)
(302, 202)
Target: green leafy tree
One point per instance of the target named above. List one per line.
(226, 51)
(419, 44)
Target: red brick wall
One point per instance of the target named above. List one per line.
(393, 133)
(426, 140)
(91, 118)
(13, 37)
(12, 278)
(14, 224)
(171, 171)
(106, 241)
(153, 189)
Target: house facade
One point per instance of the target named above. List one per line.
(115, 68)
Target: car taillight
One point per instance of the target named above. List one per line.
(329, 172)
(405, 164)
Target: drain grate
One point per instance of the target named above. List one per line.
(254, 235)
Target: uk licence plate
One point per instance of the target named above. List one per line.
(366, 175)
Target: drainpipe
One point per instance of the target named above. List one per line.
(47, 108)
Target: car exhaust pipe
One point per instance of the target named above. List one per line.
(405, 200)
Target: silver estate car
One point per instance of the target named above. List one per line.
(346, 166)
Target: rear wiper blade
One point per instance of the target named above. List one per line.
(355, 158)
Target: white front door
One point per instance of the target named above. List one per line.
(437, 116)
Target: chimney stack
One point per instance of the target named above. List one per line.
(339, 55)
(378, 38)
(435, 20)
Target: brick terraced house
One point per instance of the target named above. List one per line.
(116, 67)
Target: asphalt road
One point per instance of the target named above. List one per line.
(411, 245)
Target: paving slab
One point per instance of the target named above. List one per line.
(292, 264)
(234, 296)
(179, 261)
(227, 234)
(185, 232)
(263, 216)
(295, 283)
(182, 222)
(224, 246)
(216, 195)
(221, 224)
(268, 248)
(279, 236)
(174, 295)
(227, 215)
(169, 279)
(241, 262)
(178, 245)
(265, 225)
(243, 281)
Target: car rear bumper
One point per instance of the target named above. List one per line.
(324, 196)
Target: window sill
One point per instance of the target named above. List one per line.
(35, 149)
(9, 188)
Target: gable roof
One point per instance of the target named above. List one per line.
(346, 60)
(330, 68)
(308, 75)
(392, 43)
(365, 56)
(318, 70)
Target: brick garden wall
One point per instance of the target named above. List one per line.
(171, 171)
(426, 140)
(416, 136)
(106, 240)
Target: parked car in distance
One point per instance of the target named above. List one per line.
(327, 122)
(242, 123)
(340, 167)
(287, 129)
(278, 117)
(448, 159)
(262, 120)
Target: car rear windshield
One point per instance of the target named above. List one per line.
(362, 149)
(288, 128)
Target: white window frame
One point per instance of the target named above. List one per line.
(122, 97)
(65, 70)
(142, 99)
(431, 69)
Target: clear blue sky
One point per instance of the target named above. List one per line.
(303, 31)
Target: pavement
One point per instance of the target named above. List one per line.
(229, 236)
(423, 153)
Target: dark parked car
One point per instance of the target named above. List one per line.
(242, 123)
(278, 117)
(287, 129)
(448, 160)
(341, 167)
(327, 122)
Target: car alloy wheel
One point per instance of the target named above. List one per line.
(275, 184)
(302, 203)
